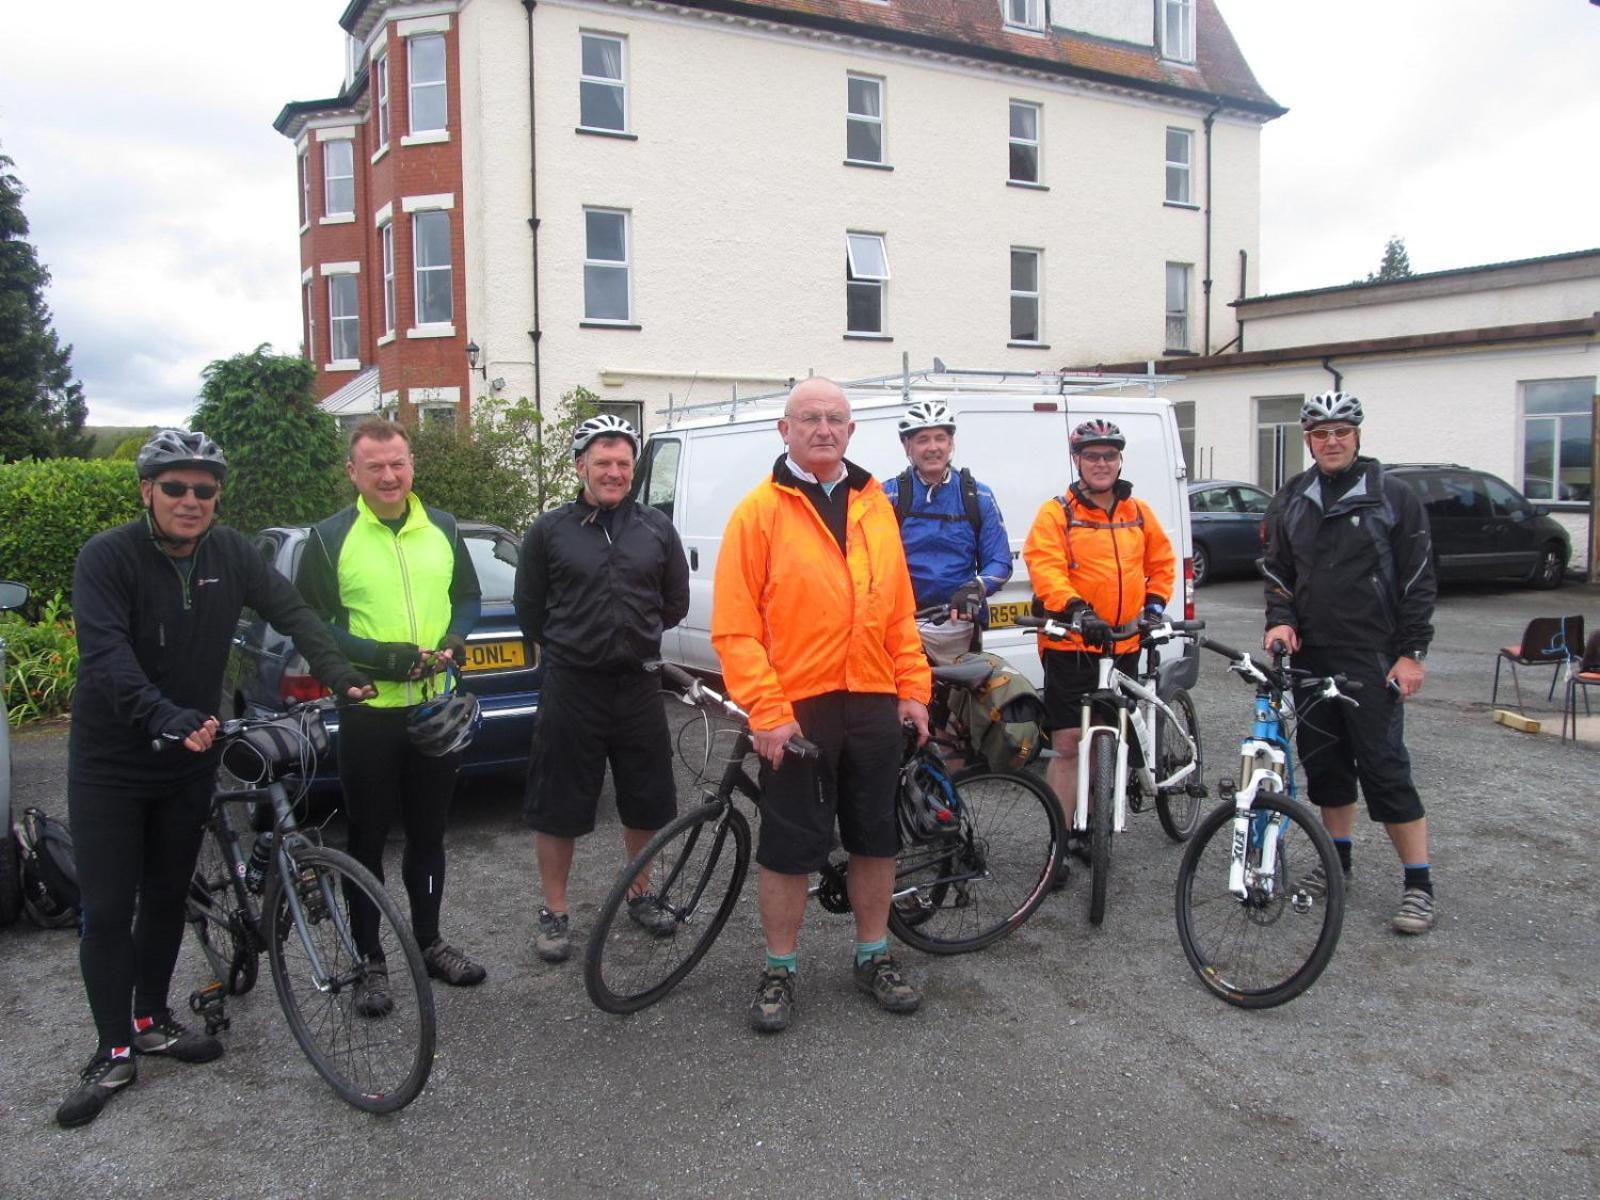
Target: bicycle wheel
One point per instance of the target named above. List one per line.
(224, 926)
(1179, 810)
(376, 1063)
(976, 885)
(696, 865)
(1269, 946)
(1102, 806)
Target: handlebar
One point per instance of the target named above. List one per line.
(232, 728)
(1147, 631)
(697, 693)
(1280, 676)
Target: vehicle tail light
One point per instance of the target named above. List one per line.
(1188, 589)
(298, 683)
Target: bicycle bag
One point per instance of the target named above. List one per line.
(49, 871)
(289, 746)
(1001, 716)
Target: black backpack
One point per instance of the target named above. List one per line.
(49, 871)
(969, 501)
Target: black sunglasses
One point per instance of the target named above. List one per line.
(202, 491)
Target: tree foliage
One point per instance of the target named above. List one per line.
(48, 509)
(42, 408)
(511, 465)
(284, 452)
(1396, 262)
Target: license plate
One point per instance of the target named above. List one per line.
(496, 656)
(1002, 615)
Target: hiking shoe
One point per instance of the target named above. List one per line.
(445, 962)
(1063, 873)
(774, 1003)
(1077, 847)
(1416, 912)
(646, 912)
(97, 1083)
(372, 992)
(880, 977)
(1315, 882)
(163, 1035)
(554, 941)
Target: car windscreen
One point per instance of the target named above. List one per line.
(495, 560)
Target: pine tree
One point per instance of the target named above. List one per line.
(42, 408)
(1396, 262)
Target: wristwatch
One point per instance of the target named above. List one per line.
(1418, 655)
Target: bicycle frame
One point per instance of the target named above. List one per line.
(1266, 758)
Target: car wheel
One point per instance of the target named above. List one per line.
(1200, 561)
(1552, 568)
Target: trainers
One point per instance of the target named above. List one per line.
(97, 1083)
(1078, 847)
(774, 1003)
(163, 1035)
(647, 913)
(880, 977)
(1416, 912)
(553, 942)
(1315, 882)
(372, 992)
(445, 962)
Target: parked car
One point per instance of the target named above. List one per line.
(1483, 528)
(1225, 520)
(502, 670)
(12, 595)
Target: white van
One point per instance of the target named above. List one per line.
(1011, 435)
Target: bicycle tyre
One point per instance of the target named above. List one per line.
(10, 874)
(378, 1064)
(224, 929)
(1010, 842)
(625, 967)
(1102, 805)
(1233, 944)
(1179, 811)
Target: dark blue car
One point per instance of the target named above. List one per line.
(502, 670)
(1225, 522)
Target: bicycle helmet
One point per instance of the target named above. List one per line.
(174, 448)
(444, 724)
(1098, 432)
(927, 803)
(1330, 406)
(605, 425)
(927, 414)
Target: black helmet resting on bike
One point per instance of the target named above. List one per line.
(927, 414)
(172, 449)
(1098, 432)
(605, 425)
(1330, 406)
(444, 724)
(927, 802)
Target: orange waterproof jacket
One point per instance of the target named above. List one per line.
(1113, 561)
(792, 616)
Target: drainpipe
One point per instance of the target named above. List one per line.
(1205, 283)
(533, 227)
(1338, 379)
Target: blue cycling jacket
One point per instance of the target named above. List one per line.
(942, 549)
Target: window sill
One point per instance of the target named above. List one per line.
(871, 166)
(1025, 30)
(868, 337)
(1180, 204)
(386, 338)
(305, 227)
(608, 325)
(595, 131)
(338, 219)
(343, 364)
(379, 153)
(1032, 187)
(431, 331)
(1028, 345)
(1171, 353)
(427, 137)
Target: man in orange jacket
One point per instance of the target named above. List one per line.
(1097, 557)
(813, 619)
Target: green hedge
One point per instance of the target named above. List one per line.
(49, 509)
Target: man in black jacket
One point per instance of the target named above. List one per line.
(598, 582)
(1350, 590)
(156, 603)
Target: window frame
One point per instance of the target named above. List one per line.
(624, 265)
(1175, 30)
(339, 337)
(329, 147)
(308, 289)
(413, 85)
(418, 268)
(1182, 344)
(305, 186)
(1036, 296)
(619, 84)
(877, 122)
(1032, 18)
(1580, 410)
(1184, 170)
(856, 277)
(386, 258)
(1036, 143)
(380, 76)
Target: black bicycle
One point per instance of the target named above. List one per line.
(979, 853)
(262, 883)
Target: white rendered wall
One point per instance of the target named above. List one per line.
(1115, 19)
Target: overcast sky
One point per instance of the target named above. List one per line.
(163, 202)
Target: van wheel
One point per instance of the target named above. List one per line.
(1552, 568)
(1200, 562)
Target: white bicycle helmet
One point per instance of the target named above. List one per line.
(1330, 406)
(605, 425)
(1096, 432)
(927, 414)
(176, 448)
(444, 724)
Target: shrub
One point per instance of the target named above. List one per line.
(41, 663)
(49, 509)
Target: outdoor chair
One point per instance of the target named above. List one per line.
(1586, 675)
(1547, 642)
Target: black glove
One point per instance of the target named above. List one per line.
(1092, 627)
(342, 682)
(457, 645)
(182, 723)
(966, 601)
(394, 660)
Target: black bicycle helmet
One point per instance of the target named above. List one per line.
(445, 724)
(927, 414)
(605, 425)
(1330, 406)
(1098, 432)
(169, 449)
(928, 803)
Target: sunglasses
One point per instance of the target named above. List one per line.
(202, 491)
(1338, 432)
(1107, 456)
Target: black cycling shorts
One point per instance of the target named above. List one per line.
(853, 782)
(587, 719)
(1068, 674)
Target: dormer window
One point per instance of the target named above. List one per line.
(1024, 14)
(1177, 29)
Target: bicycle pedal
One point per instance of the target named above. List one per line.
(1198, 790)
(1227, 788)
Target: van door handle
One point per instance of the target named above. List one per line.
(694, 559)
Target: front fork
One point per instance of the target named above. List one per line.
(1262, 766)
(1117, 738)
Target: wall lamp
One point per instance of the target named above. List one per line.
(472, 360)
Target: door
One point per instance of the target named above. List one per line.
(656, 486)
(1517, 541)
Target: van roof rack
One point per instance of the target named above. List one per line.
(939, 377)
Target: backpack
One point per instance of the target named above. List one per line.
(969, 500)
(1001, 716)
(49, 872)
